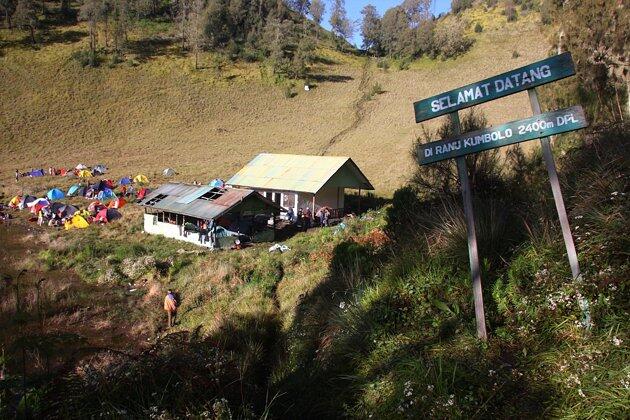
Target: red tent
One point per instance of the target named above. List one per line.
(95, 206)
(101, 216)
(142, 193)
(117, 203)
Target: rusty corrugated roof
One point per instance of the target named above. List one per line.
(198, 207)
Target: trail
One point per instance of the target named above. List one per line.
(358, 106)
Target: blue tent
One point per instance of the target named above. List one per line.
(217, 183)
(106, 194)
(125, 181)
(74, 190)
(37, 172)
(55, 194)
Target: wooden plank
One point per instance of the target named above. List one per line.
(473, 255)
(535, 74)
(541, 125)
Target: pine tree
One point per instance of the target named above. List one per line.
(318, 8)
(371, 29)
(341, 25)
(25, 16)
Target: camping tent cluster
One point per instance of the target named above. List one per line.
(107, 197)
(81, 171)
(54, 213)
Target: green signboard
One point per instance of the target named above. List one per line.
(541, 125)
(536, 74)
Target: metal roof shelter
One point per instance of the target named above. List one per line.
(301, 173)
(205, 202)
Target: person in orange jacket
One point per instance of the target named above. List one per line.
(170, 306)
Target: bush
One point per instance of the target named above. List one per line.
(376, 89)
(478, 28)
(510, 11)
(86, 58)
(458, 6)
(404, 64)
(289, 91)
(383, 64)
(515, 54)
(450, 38)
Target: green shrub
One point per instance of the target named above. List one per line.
(86, 58)
(515, 54)
(383, 63)
(404, 64)
(478, 28)
(289, 90)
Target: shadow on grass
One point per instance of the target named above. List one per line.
(333, 78)
(148, 48)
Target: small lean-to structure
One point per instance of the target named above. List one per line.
(179, 211)
(303, 181)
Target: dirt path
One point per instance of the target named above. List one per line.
(358, 106)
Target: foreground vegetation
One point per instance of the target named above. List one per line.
(371, 318)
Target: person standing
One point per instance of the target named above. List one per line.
(17, 175)
(170, 306)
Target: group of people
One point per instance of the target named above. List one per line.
(304, 218)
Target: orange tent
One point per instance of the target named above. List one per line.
(117, 203)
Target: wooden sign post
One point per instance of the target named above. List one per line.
(541, 125)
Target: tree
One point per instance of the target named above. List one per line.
(92, 12)
(8, 8)
(371, 29)
(318, 8)
(182, 18)
(396, 35)
(596, 33)
(300, 6)
(341, 25)
(25, 16)
(121, 19)
(197, 34)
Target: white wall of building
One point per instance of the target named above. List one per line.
(169, 230)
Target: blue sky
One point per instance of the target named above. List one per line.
(353, 7)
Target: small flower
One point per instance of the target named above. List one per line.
(581, 393)
(491, 372)
(342, 304)
(430, 388)
(617, 341)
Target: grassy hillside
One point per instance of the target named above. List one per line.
(373, 318)
(154, 110)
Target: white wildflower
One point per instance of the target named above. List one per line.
(342, 304)
(581, 393)
(617, 341)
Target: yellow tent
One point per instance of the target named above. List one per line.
(15, 201)
(77, 222)
(141, 179)
(85, 174)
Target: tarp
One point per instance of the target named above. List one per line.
(217, 183)
(70, 174)
(37, 172)
(55, 207)
(38, 204)
(15, 201)
(74, 190)
(95, 206)
(85, 174)
(76, 222)
(106, 195)
(168, 172)
(117, 203)
(68, 210)
(107, 215)
(141, 179)
(26, 200)
(142, 193)
(96, 172)
(101, 168)
(80, 167)
(63, 172)
(55, 194)
(125, 181)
